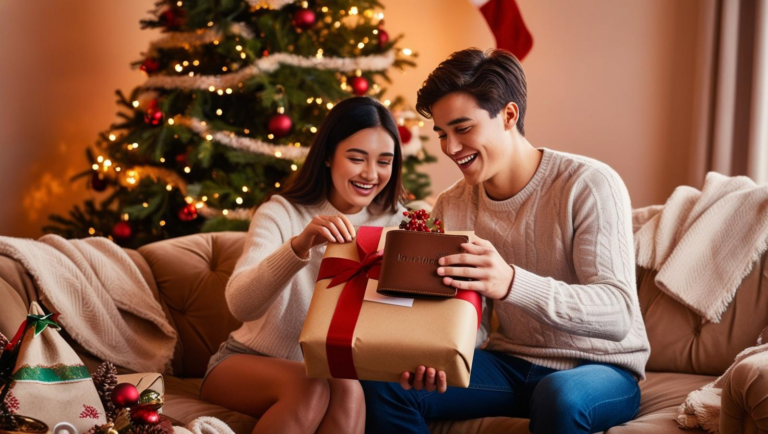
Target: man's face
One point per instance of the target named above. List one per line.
(475, 142)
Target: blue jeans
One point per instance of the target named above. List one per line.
(589, 398)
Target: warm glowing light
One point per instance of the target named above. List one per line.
(196, 62)
(243, 55)
(245, 189)
(179, 68)
(162, 160)
(239, 200)
(107, 163)
(319, 100)
(145, 205)
(95, 167)
(294, 167)
(324, 9)
(185, 63)
(112, 137)
(220, 92)
(270, 136)
(277, 185)
(135, 103)
(199, 205)
(162, 222)
(211, 88)
(278, 154)
(239, 48)
(353, 10)
(407, 51)
(210, 23)
(309, 100)
(360, 45)
(100, 159)
(387, 102)
(170, 121)
(91, 231)
(219, 112)
(229, 91)
(169, 187)
(225, 212)
(313, 129)
(216, 42)
(209, 137)
(329, 105)
(188, 199)
(187, 169)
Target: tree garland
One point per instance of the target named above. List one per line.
(270, 64)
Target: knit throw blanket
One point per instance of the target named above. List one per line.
(703, 243)
(701, 408)
(104, 302)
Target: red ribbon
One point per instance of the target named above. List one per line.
(338, 344)
(20, 332)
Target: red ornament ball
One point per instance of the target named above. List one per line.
(188, 213)
(359, 85)
(405, 134)
(98, 182)
(304, 18)
(150, 65)
(153, 115)
(383, 38)
(172, 18)
(125, 394)
(145, 415)
(122, 231)
(280, 125)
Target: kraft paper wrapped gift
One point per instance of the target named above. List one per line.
(353, 332)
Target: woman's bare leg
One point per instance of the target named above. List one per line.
(346, 411)
(277, 391)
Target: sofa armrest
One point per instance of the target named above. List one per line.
(744, 401)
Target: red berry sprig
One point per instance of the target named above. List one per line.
(419, 221)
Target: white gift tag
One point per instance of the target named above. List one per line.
(372, 295)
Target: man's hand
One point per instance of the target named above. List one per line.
(425, 378)
(493, 276)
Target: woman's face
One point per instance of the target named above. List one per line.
(360, 168)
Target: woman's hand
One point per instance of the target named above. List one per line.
(322, 229)
(424, 378)
(491, 273)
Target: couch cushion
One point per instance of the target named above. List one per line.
(191, 274)
(682, 341)
(661, 395)
(182, 403)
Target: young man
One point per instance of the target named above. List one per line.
(555, 261)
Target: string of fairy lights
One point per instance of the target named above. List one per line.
(229, 82)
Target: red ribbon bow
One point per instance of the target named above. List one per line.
(338, 345)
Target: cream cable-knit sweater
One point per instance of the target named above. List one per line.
(271, 287)
(568, 235)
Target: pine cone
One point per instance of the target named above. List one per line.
(148, 429)
(96, 429)
(105, 379)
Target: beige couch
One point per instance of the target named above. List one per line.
(188, 276)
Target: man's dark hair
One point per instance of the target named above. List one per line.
(494, 78)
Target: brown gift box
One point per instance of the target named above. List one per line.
(390, 339)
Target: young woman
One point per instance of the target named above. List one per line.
(351, 178)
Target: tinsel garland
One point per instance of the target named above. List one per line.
(243, 143)
(269, 64)
(196, 38)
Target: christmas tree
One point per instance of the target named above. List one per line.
(234, 94)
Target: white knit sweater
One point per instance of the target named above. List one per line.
(568, 235)
(270, 288)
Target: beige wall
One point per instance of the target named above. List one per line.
(608, 79)
(612, 80)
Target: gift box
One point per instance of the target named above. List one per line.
(351, 331)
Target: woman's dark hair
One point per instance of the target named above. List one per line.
(312, 182)
(494, 78)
